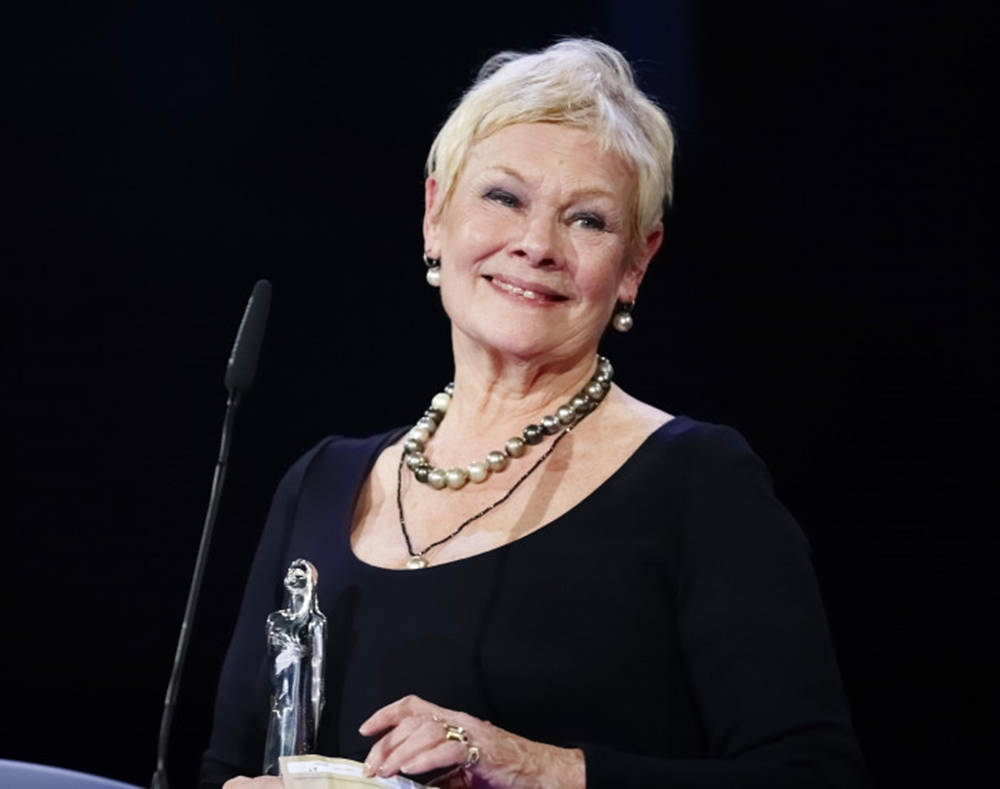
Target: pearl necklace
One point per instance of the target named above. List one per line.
(565, 419)
(478, 470)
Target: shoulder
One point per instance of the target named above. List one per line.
(337, 450)
(682, 448)
(334, 463)
(704, 443)
(675, 450)
(727, 489)
(693, 439)
(679, 464)
(710, 456)
(318, 488)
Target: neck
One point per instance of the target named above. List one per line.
(496, 395)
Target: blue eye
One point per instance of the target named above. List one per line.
(590, 221)
(503, 197)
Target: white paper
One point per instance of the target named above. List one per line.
(324, 772)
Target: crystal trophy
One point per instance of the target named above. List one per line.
(296, 643)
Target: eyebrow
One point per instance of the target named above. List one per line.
(594, 191)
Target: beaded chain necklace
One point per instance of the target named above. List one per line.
(563, 421)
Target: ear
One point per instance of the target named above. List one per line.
(637, 267)
(432, 217)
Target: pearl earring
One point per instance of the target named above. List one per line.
(433, 271)
(622, 320)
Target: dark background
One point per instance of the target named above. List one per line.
(823, 287)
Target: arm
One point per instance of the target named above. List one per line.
(755, 640)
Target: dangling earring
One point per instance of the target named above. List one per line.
(622, 320)
(433, 271)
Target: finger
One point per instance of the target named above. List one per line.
(391, 714)
(443, 754)
(381, 750)
(428, 738)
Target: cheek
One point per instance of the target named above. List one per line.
(476, 240)
(603, 274)
(474, 232)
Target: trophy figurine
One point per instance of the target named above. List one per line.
(296, 650)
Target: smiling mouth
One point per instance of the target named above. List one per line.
(524, 293)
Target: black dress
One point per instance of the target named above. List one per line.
(670, 625)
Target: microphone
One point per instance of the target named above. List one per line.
(242, 365)
(240, 371)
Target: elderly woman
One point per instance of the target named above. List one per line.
(546, 582)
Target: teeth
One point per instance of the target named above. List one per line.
(528, 294)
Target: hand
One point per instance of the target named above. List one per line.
(263, 782)
(413, 742)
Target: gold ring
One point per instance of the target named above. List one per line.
(472, 758)
(458, 734)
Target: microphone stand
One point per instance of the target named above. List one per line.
(240, 370)
(173, 686)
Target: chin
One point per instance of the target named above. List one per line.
(523, 331)
(519, 341)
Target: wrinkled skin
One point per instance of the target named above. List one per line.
(411, 740)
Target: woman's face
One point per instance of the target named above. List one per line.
(534, 243)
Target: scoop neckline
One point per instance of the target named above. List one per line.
(394, 435)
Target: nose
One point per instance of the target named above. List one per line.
(539, 243)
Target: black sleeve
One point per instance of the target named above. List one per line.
(755, 640)
(241, 707)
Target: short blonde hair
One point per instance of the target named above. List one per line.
(577, 82)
